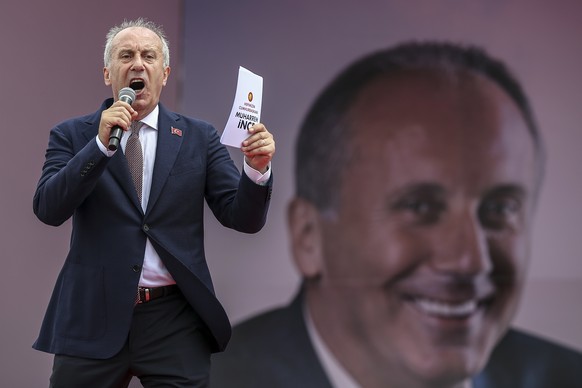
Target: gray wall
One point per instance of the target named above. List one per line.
(52, 69)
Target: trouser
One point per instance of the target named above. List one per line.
(167, 346)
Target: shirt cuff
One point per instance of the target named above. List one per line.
(256, 176)
(104, 149)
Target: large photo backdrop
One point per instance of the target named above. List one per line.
(299, 46)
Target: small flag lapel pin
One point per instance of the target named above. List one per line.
(176, 131)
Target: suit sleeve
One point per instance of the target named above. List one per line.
(70, 172)
(235, 200)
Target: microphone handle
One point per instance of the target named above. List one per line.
(115, 138)
(117, 131)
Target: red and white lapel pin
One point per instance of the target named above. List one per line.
(176, 131)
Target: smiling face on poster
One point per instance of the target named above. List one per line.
(420, 265)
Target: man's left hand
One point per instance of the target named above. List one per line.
(259, 148)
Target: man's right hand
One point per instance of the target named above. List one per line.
(120, 113)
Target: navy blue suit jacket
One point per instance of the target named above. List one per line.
(273, 350)
(90, 310)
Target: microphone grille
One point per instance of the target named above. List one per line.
(127, 95)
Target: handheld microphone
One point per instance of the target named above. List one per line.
(125, 95)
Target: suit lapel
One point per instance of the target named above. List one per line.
(117, 165)
(120, 170)
(167, 150)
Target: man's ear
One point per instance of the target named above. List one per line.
(306, 237)
(106, 78)
(167, 70)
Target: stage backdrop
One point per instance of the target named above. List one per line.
(298, 46)
(52, 69)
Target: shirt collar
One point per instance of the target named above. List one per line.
(338, 376)
(151, 120)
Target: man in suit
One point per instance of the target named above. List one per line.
(417, 174)
(134, 296)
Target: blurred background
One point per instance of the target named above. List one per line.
(52, 70)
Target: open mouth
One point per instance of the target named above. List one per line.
(137, 84)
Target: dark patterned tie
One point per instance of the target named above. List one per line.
(134, 156)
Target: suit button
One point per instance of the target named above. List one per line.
(146, 227)
(136, 268)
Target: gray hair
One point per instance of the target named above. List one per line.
(140, 22)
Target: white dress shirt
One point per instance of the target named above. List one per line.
(154, 273)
